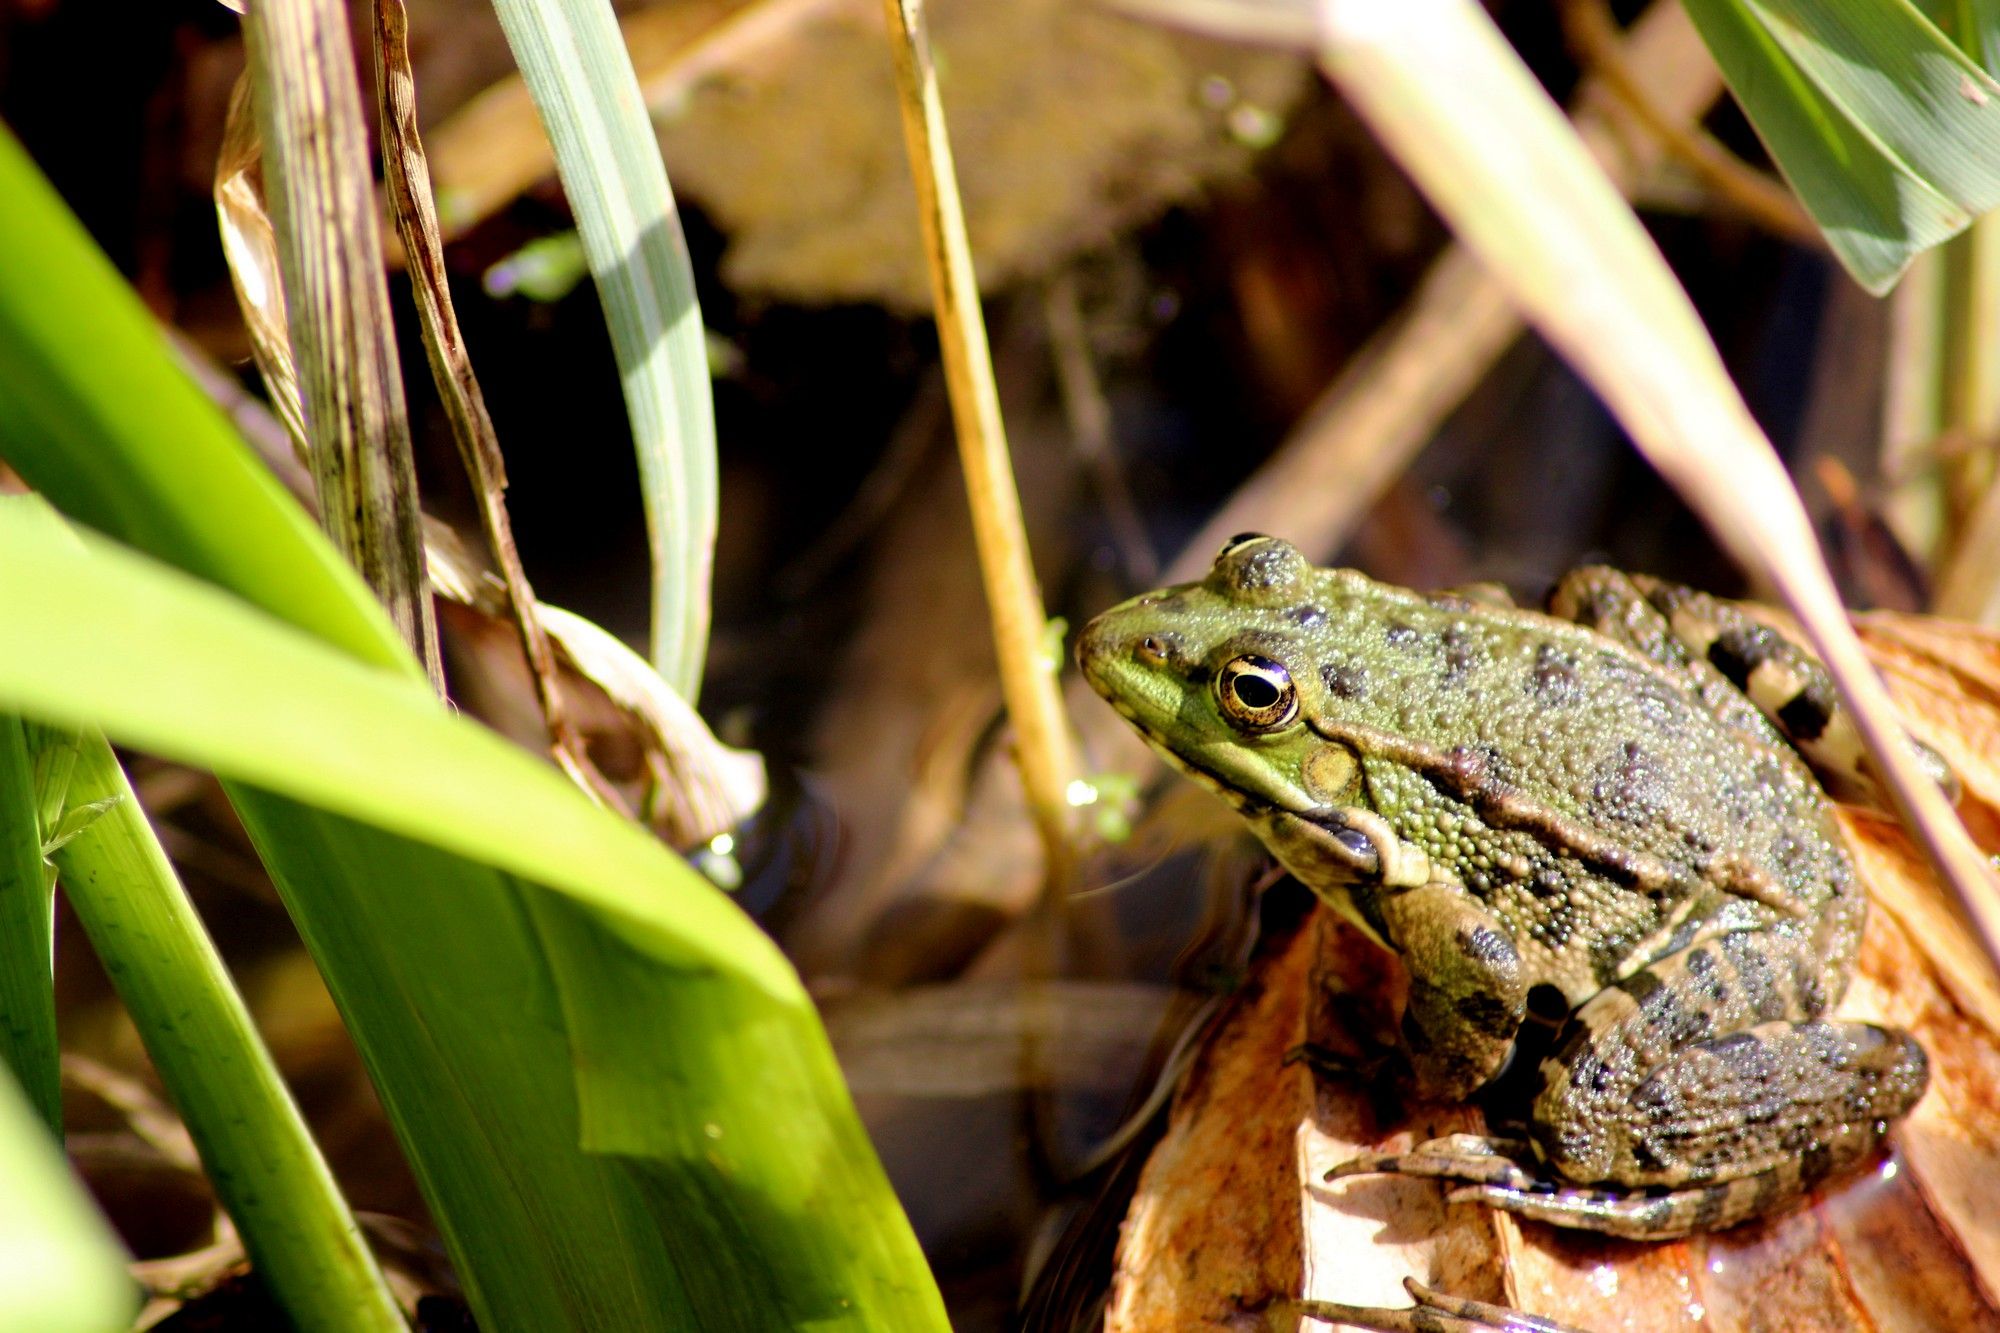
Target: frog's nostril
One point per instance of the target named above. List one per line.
(1152, 650)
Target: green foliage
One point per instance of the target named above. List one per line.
(1888, 131)
(573, 59)
(64, 1271)
(615, 1093)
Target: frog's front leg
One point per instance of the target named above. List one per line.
(1467, 993)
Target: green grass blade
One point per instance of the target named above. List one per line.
(723, 1155)
(90, 401)
(1876, 213)
(60, 1268)
(27, 996)
(574, 62)
(1889, 134)
(1904, 83)
(173, 665)
(265, 1167)
(728, 1183)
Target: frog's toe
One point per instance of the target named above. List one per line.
(1338, 1067)
(1654, 1214)
(1434, 1312)
(1474, 1159)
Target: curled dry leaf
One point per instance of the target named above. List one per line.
(703, 786)
(251, 248)
(1231, 1216)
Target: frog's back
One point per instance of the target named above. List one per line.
(1544, 716)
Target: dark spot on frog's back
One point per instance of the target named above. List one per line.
(1487, 946)
(1805, 714)
(1485, 1013)
(1632, 787)
(1307, 616)
(1402, 636)
(1732, 655)
(1555, 681)
(1461, 654)
(1344, 680)
(1744, 1055)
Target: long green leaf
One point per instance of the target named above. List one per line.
(27, 991)
(1888, 132)
(103, 393)
(701, 1074)
(471, 939)
(291, 715)
(60, 1269)
(574, 62)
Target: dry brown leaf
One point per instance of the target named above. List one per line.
(1231, 1215)
(1070, 124)
(251, 247)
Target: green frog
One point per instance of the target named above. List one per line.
(1599, 821)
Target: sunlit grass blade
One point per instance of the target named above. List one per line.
(464, 942)
(27, 989)
(573, 60)
(703, 1088)
(266, 1169)
(63, 1272)
(1889, 134)
(103, 393)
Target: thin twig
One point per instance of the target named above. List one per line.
(1042, 739)
(409, 179)
(1090, 426)
(1595, 38)
(1392, 397)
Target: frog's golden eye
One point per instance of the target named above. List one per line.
(1256, 694)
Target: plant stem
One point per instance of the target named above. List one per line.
(322, 197)
(264, 1165)
(1041, 729)
(27, 994)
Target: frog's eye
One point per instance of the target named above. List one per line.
(1240, 539)
(1256, 694)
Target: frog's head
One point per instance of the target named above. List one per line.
(1222, 678)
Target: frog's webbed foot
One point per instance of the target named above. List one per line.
(1434, 1312)
(1502, 1173)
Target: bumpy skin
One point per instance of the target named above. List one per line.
(1601, 818)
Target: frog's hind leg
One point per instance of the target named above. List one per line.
(1710, 1082)
(1730, 1129)
(1686, 1098)
(1715, 641)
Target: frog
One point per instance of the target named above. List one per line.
(1609, 822)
